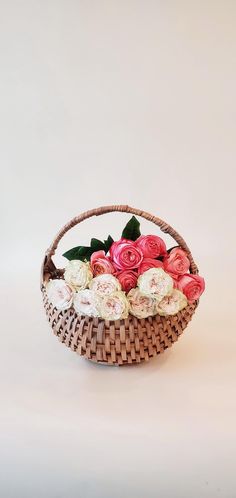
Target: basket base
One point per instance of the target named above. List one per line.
(122, 342)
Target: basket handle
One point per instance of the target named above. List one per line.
(48, 265)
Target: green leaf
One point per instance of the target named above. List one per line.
(97, 245)
(80, 252)
(108, 243)
(132, 229)
(84, 253)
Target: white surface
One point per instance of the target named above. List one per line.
(117, 102)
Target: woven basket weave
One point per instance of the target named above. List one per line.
(118, 342)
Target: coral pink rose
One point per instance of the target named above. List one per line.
(127, 279)
(177, 262)
(148, 263)
(192, 286)
(151, 246)
(100, 263)
(125, 255)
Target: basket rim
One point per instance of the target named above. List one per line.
(122, 321)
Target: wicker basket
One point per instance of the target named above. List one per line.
(119, 342)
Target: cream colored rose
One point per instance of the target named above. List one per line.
(155, 283)
(114, 306)
(105, 285)
(78, 274)
(170, 305)
(141, 306)
(85, 303)
(60, 294)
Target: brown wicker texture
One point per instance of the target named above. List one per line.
(114, 342)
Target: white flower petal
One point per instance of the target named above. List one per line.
(105, 284)
(60, 294)
(114, 306)
(85, 303)
(155, 282)
(78, 274)
(172, 304)
(141, 306)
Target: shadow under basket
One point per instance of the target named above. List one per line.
(118, 342)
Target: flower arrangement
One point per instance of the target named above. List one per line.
(136, 275)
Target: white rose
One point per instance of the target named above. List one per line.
(105, 285)
(141, 306)
(60, 294)
(114, 306)
(170, 305)
(155, 283)
(78, 274)
(85, 303)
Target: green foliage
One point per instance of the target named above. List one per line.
(108, 243)
(132, 229)
(84, 253)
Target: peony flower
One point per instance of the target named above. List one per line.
(78, 274)
(60, 294)
(170, 305)
(141, 306)
(100, 263)
(156, 283)
(125, 255)
(127, 279)
(105, 285)
(192, 286)
(113, 307)
(148, 263)
(85, 303)
(177, 262)
(151, 246)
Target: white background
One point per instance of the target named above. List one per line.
(105, 102)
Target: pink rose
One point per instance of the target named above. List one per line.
(127, 279)
(148, 263)
(177, 262)
(125, 255)
(192, 286)
(100, 263)
(151, 246)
